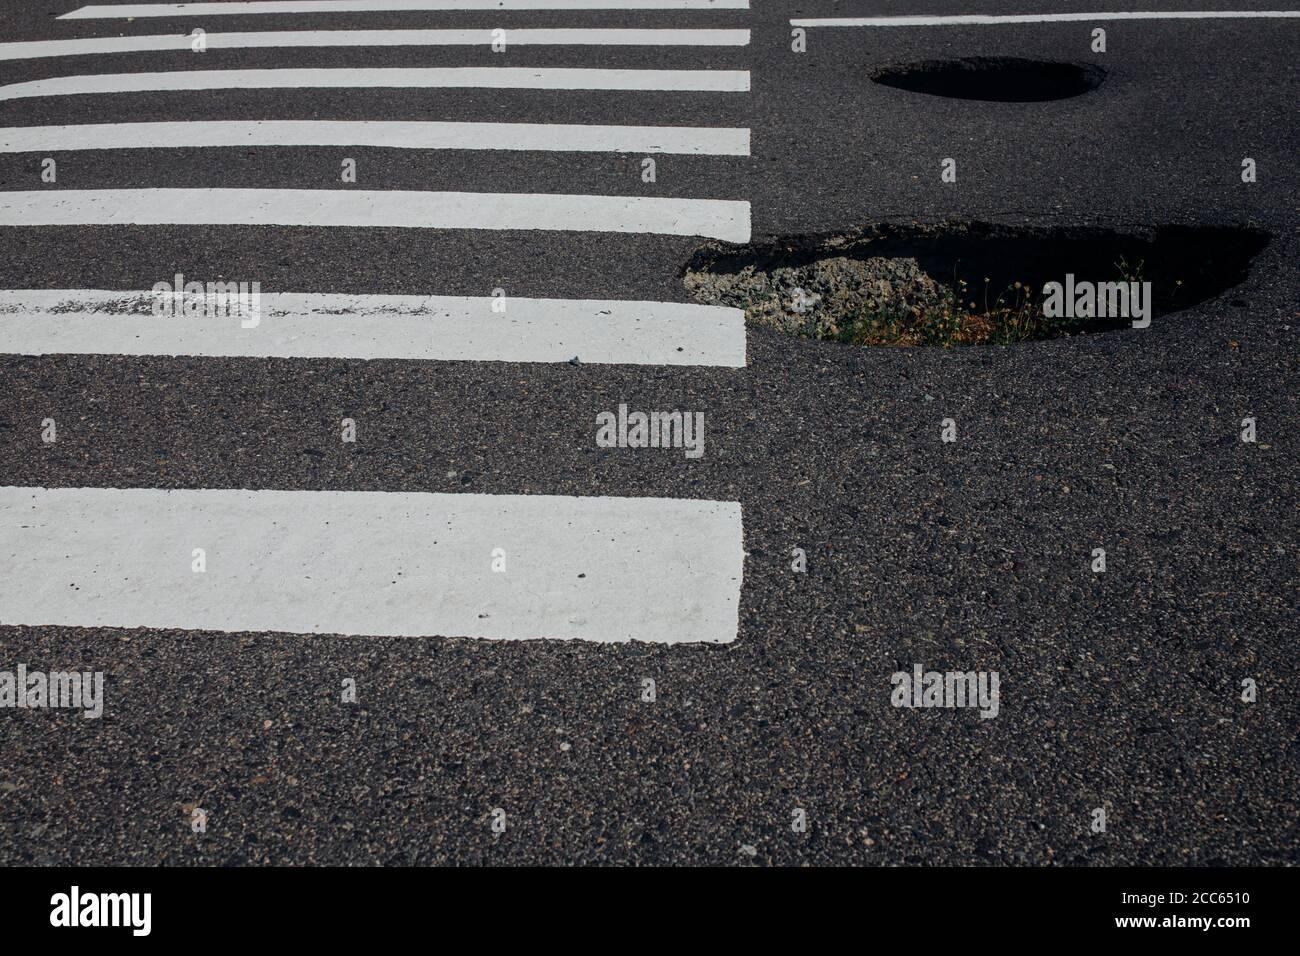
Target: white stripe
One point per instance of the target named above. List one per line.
(712, 218)
(35, 49)
(402, 564)
(500, 77)
(321, 325)
(980, 19)
(120, 10)
(392, 134)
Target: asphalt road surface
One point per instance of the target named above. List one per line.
(1120, 691)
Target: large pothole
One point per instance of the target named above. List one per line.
(994, 78)
(971, 283)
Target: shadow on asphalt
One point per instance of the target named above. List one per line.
(994, 79)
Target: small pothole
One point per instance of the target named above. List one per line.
(971, 283)
(994, 78)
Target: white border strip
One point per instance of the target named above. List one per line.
(390, 564)
(397, 134)
(43, 49)
(462, 77)
(997, 19)
(122, 10)
(326, 325)
(728, 220)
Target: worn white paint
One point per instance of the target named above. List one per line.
(453, 77)
(322, 325)
(133, 10)
(985, 19)
(601, 36)
(713, 218)
(562, 137)
(372, 563)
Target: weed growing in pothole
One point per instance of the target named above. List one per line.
(881, 301)
(968, 284)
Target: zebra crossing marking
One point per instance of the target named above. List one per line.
(603, 36)
(455, 77)
(662, 570)
(124, 10)
(366, 563)
(728, 220)
(562, 137)
(328, 325)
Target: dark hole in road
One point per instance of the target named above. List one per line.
(994, 78)
(971, 283)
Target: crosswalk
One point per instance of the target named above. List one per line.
(249, 7)
(325, 325)
(396, 208)
(429, 134)
(413, 78)
(370, 563)
(185, 42)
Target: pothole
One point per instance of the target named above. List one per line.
(994, 78)
(971, 283)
